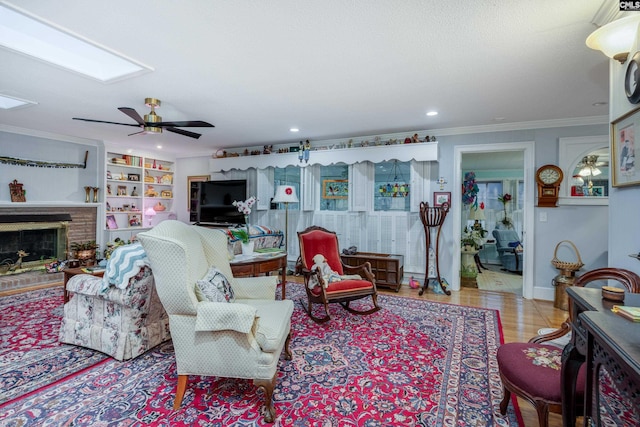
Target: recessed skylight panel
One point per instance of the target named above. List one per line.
(30, 36)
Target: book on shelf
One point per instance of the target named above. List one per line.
(628, 312)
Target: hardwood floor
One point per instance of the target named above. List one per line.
(520, 318)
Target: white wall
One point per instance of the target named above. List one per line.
(624, 202)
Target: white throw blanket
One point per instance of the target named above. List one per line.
(125, 262)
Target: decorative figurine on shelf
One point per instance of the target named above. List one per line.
(134, 192)
(151, 192)
(267, 149)
(307, 148)
(301, 152)
(415, 138)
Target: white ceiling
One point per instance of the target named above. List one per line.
(332, 68)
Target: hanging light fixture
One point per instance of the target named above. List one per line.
(396, 186)
(589, 169)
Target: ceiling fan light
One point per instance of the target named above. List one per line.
(149, 129)
(595, 171)
(585, 171)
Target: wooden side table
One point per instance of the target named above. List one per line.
(387, 268)
(262, 265)
(70, 272)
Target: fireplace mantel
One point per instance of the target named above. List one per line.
(47, 204)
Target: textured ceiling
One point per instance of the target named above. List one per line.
(332, 68)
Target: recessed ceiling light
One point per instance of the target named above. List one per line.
(30, 35)
(130, 150)
(294, 130)
(432, 113)
(7, 102)
(600, 104)
(159, 147)
(498, 119)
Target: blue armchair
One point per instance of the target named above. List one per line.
(509, 250)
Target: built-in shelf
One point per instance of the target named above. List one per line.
(423, 151)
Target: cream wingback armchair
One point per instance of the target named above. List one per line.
(239, 339)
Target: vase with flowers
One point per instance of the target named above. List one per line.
(504, 199)
(244, 207)
(472, 239)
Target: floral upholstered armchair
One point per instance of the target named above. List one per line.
(212, 313)
(123, 320)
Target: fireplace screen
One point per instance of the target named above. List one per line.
(25, 245)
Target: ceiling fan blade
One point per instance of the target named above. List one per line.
(133, 114)
(184, 132)
(185, 124)
(102, 121)
(137, 133)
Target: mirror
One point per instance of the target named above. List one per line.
(585, 164)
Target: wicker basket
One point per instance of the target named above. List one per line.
(566, 265)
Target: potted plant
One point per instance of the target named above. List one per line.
(471, 238)
(244, 207)
(84, 251)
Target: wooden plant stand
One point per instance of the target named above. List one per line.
(433, 218)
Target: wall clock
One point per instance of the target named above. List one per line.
(548, 178)
(632, 79)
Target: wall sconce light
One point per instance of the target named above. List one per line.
(616, 38)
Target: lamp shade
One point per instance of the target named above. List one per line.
(616, 38)
(477, 214)
(285, 194)
(150, 212)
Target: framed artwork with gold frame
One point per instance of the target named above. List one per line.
(623, 167)
(335, 189)
(166, 194)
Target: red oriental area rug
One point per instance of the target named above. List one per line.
(413, 363)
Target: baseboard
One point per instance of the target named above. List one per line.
(545, 294)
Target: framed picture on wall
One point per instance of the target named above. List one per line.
(623, 165)
(111, 222)
(441, 197)
(335, 189)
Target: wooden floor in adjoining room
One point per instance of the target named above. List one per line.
(521, 318)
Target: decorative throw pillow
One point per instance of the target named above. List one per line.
(214, 287)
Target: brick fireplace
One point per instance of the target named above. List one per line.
(45, 230)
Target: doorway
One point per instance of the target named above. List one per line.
(490, 154)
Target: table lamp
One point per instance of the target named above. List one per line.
(477, 215)
(285, 194)
(150, 213)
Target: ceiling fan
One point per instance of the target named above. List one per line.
(153, 123)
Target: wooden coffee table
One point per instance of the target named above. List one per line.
(70, 272)
(262, 265)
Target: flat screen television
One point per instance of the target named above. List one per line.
(216, 201)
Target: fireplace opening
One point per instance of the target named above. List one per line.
(27, 242)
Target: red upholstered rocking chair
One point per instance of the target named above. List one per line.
(532, 370)
(317, 240)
